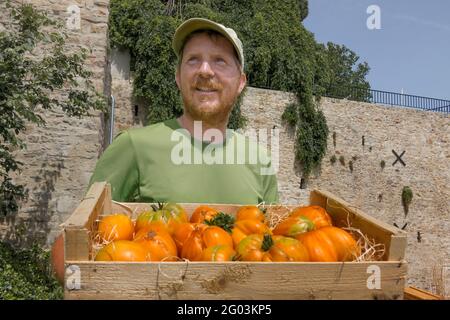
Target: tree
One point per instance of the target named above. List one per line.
(29, 83)
(347, 77)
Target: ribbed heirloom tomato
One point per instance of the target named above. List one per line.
(243, 228)
(116, 227)
(169, 214)
(292, 226)
(202, 238)
(219, 253)
(203, 213)
(316, 214)
(239, 229)
(183, 232)
(250, 212)
(259, 247)
(158, 243)
(329, 244)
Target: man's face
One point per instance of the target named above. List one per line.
(209, 78)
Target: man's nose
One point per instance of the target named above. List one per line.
(206, 70)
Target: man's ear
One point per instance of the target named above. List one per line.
(242, 82)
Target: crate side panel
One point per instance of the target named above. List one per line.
(107, 202)
(397, 249)
(238, 281)
(77, 244)
(90, 207)
(317, 199)
(81, 226)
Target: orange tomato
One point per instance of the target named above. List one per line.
(203, 213)
(144, 219)
(319, 246)
(183, 232)
(345, 245)
(254, 248)
(116, 227)
(158, 243)
(292, 226)
(316, 214)
(245, 227)
(202, 238)
(122, 250)
(250, 212)
(169, 214)
(213, 235)
(219, 253)
(288, 249)
(260, 247)
(329, 244)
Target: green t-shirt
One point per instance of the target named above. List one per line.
(152, 164)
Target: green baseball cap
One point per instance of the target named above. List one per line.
(195, 24)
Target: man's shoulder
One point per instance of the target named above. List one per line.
(151, 131)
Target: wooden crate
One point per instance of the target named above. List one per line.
(87, 279)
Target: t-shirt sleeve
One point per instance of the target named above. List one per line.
(271, 189)
(268, 171)
(118, 166)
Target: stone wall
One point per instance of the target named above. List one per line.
(424, 137)
(60, 158)
(127, 111)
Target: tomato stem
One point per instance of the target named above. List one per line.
(267, 242)
(222, 220)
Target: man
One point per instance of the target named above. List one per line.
(194, 158)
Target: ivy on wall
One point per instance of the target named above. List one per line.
(280, 54)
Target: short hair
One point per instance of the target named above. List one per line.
(213, 35)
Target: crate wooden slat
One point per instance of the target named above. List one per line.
(230, 280)
(80, 224)
(413, 293)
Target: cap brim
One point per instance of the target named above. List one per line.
(195, 24)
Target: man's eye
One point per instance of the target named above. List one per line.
(192, 60)
(220, 62)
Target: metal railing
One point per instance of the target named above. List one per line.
(388, 98)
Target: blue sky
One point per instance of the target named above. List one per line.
(411, 51)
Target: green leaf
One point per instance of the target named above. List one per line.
(222, 220)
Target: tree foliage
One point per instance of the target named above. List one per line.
(28, 81)
(280, 54)
(346, 77)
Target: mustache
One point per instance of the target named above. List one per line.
(207, 83)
